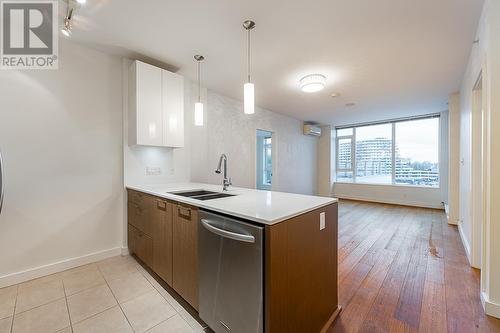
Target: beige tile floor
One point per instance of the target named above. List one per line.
(113, 295)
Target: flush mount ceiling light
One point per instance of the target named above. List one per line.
(81, 1)
(198, 106)
(312, 83)
(248, 88)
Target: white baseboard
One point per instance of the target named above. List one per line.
(490, 308)
(33, 273)
(125, 251)
(392, 202)
(465, 243)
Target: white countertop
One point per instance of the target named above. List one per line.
(266, 207)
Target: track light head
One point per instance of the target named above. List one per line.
(67, 27)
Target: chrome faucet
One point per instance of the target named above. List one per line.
(226, 181)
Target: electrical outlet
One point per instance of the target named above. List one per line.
(322, 222)
(153, 171)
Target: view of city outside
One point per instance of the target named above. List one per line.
(416, 154)
(268, 161)
(374, 154)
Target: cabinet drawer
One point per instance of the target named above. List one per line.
(140, 215)
(140, 244)
(132, 236)
(136, 197)
(145, 249)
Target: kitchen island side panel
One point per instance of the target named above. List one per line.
(301, 273)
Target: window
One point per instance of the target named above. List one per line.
(344, 156)
(417, 152)
(402, 152)
(374, 154)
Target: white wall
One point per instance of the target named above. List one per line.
(400, 194)
(325, 162)
(471, 75)
(61, 136)
(453, 157)
(228, 130)
(491, 261)
(67, 159)
(485, 56)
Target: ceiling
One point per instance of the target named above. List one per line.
(392, 58)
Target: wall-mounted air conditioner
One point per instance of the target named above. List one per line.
(313, 130)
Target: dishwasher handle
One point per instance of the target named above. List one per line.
(227, 234)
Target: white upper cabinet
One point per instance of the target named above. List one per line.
(145, 106)
(156, 107)
(173, 109)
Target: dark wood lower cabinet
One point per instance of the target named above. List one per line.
(301, 273)
(185, 253)
(140, 244)
(164, 235)
(162, 239)
(140, 213)
(300, 260)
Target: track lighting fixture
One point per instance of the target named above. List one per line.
(68, 21)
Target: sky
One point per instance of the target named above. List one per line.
(415, 139)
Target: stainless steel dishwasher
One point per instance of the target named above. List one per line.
(230, 274)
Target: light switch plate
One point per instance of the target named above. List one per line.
(322, 222)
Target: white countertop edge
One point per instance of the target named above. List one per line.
(206, 204)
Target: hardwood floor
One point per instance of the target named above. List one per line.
(404, 269)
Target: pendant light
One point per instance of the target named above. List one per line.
(248, 88)
(198, 106)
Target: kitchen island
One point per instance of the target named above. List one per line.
(299, 249)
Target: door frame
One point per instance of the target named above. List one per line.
(273, 154)
(477, 196)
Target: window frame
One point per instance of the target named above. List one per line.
(393, 153)
(352, 138)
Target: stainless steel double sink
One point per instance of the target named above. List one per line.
(202, 194)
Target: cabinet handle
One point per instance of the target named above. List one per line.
(136, 196)
(184, 212)
(160, 204)
(138, 208)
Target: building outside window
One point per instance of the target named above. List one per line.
(396, 152)
(268, 161)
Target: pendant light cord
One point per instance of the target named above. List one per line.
(199, 83)
(248, 55)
